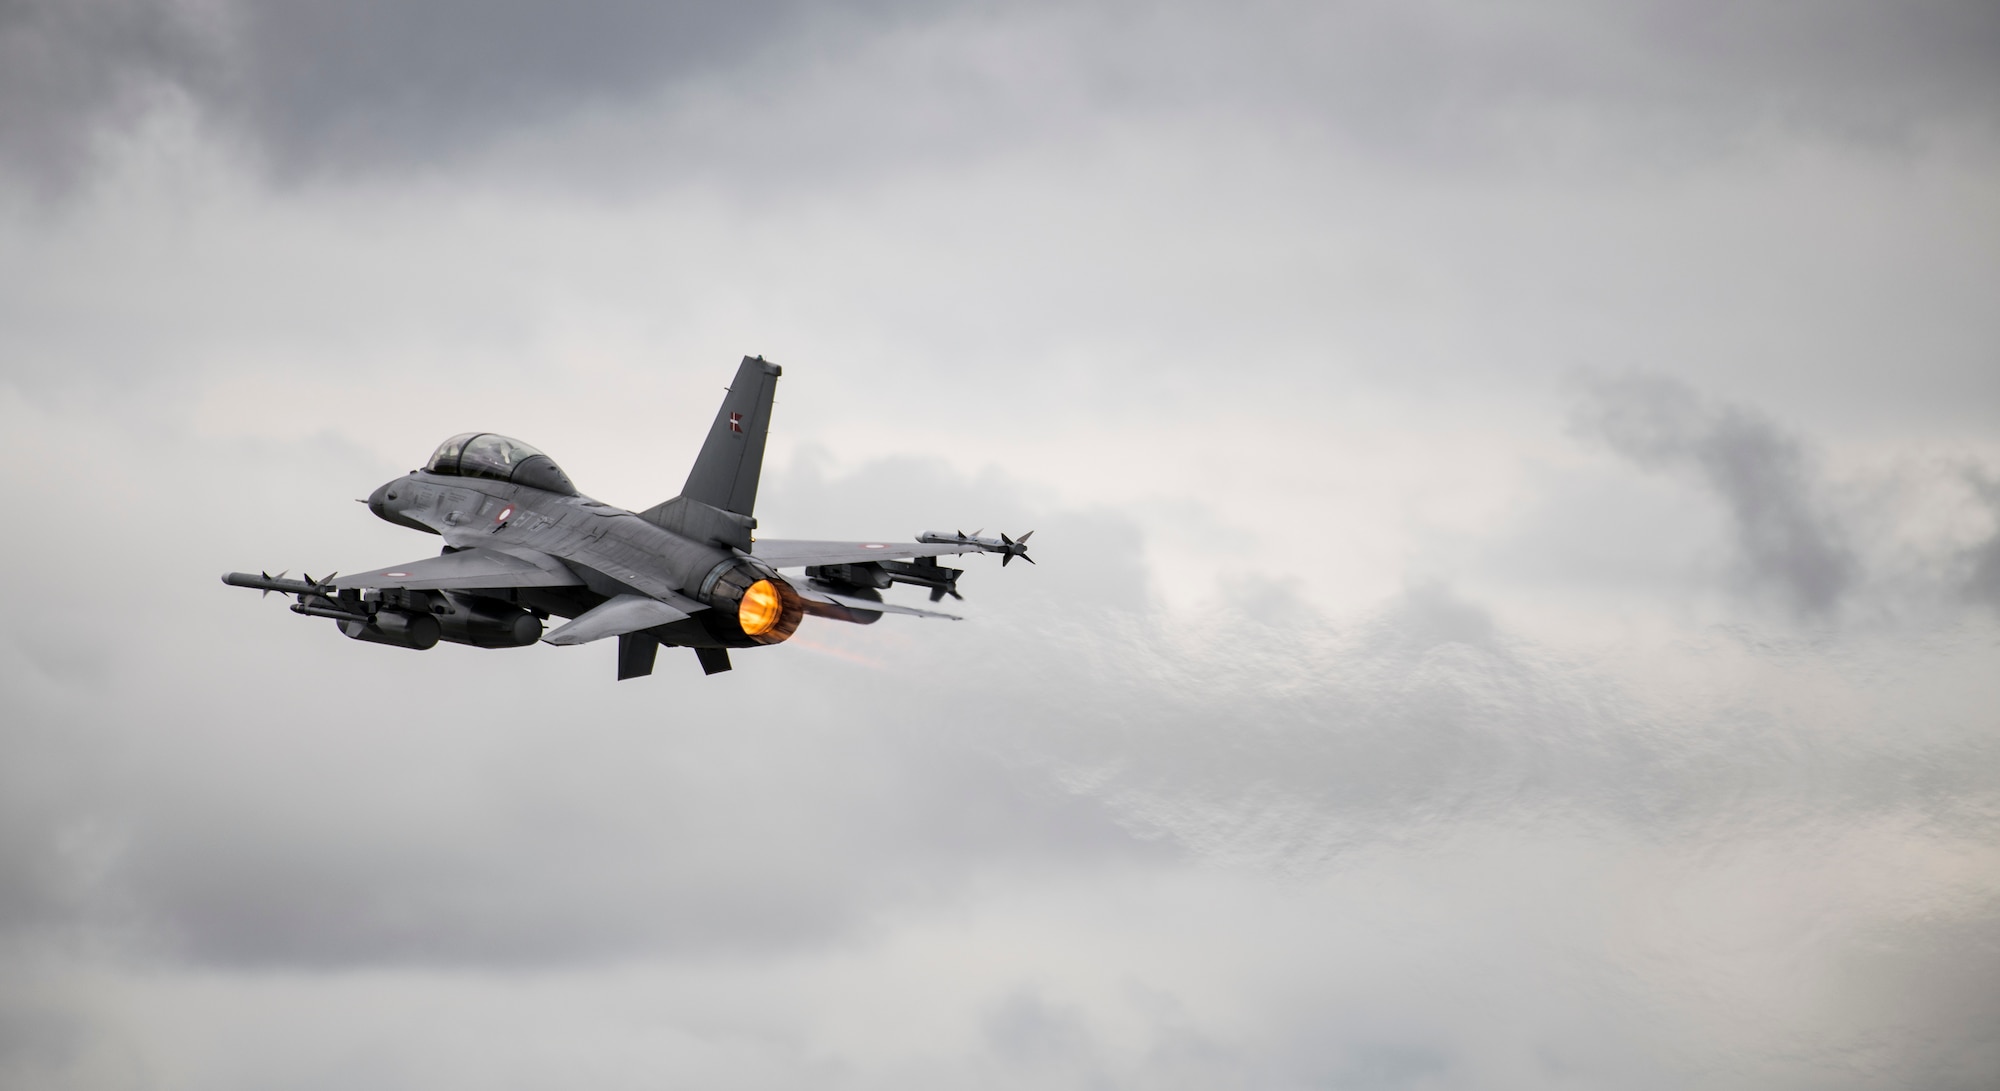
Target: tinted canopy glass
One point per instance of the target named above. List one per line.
(488, 454)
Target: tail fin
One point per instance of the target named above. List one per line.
(725, 474)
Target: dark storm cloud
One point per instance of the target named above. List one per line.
(338, 88)
(1787, 541)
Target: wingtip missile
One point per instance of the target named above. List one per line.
(1008, 548)
(267, 583)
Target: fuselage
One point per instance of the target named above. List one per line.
(612, 550)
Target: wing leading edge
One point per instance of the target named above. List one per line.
(467, 569)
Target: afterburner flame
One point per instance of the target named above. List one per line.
(759, 609)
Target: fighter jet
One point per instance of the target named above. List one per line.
(522, 545)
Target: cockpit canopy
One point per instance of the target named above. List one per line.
(486, 454)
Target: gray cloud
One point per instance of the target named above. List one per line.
(1982, 582)
(1295, 745)
(1274, 733)
(1787, 540)
(361, 86)
(260, 800)
(388, 856)
(544, 882)
(365, 87)
(1277, 738)
(1271, 774)
(397, 84)
(69, 70)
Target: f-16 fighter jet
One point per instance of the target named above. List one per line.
(521, 546)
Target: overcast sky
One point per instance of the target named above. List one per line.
(1517, 494)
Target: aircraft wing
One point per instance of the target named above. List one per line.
(794, 552)
(467, 569)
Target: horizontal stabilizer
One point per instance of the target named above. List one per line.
(616, 616)
(815, 592)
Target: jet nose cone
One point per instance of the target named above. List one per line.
(392, 502)
(378, 501)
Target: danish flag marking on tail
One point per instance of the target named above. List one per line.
(736, 422)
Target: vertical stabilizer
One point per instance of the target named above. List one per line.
(725, 475)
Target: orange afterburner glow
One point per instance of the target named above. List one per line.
(759, 609)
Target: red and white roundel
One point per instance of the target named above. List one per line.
(873, 545)
(506, 513)
(396, 575)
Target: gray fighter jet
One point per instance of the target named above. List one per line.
(521, 545)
